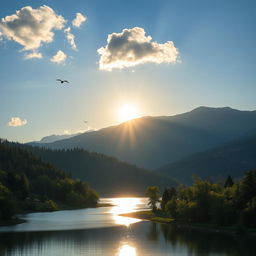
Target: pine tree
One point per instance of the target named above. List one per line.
(229, 182)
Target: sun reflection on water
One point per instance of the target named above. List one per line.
(127, 250)
(124, 205)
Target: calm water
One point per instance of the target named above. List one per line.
(101, 231)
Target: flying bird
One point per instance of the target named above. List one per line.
(62, 81)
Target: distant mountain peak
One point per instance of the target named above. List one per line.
(204, 108)
(55, 137)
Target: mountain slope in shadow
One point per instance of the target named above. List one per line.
(151, 142)
(108, 175)
(232, 159)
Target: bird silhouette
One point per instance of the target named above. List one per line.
(62, 81)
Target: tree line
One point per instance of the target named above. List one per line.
(228, 204)
(108, 175)
(27, 183)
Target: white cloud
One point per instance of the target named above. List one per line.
(59, 57)
(70, 38)
(31, 27)
(79, 20)
(132, 47)
(17, 121)
(33, 55)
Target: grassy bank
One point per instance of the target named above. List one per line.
(161, 217)
(149, 215)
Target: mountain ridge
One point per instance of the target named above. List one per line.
(151, 142)
(233, 158)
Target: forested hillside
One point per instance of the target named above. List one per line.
(108, 175)
(31, 184)
(230, 159)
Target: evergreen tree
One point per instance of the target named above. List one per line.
(248, 188)
(229, 182)
(153, 194)
(167, 196)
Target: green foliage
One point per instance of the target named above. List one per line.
(222, 212)
(229, 182)
(220, 205)
(247, 189)
(51, 205)
(153, 194)
(171, 208)
(249, 214)
(108, 175)
(28, 183)
(167, 195)
(93, 197)
(7, 205)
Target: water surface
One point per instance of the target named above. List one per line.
(100, 231)
(82, 219)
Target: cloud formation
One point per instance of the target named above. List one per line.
(31, 27)
(33, 55)
(79, 20)
(59, 57)
(17, 121)
(132, 47)
(70, 38)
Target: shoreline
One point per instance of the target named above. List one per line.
(12, 222)
(204, 227)
(17, 220)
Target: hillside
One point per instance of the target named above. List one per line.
(227, 122)
(31, 184)
(230, 159)
(151, 142)
(109, 176)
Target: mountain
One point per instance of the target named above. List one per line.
(151, 142)
(109, 176)
(53, 138)
(232, 159)
(226, 121)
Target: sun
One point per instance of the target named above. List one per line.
(127, 112)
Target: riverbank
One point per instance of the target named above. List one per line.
(160, 217)
(61, 207)
(11, 222)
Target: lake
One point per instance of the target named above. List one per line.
(101, 231)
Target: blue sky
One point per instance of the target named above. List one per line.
(215, 64)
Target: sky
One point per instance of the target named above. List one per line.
(161, 57)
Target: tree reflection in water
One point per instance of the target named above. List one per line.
(200, 242)
(140, 239)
